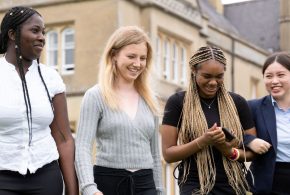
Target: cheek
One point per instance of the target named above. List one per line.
(268, 84)
(200, 84)
(143, 65)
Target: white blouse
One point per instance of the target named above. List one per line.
(15, 152)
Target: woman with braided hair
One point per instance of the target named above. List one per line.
(191, 130)
(36, 145)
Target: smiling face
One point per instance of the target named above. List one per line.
(32, 37)
(130, 62)
(277, 81)
(209, 76)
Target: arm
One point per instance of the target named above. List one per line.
(245, 113)
(157, 169)
(86, 135)
(251, 140)
(173, 152)
(245, 154)
(257, 145)
(65, 144)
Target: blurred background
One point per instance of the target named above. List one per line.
(77, 31)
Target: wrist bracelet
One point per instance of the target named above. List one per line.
(235, 155)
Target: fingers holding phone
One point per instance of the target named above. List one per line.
(215, 135)
(228, 134)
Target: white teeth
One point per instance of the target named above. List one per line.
(133, 69)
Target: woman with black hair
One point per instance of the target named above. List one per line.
(271, 114)
(36, 145)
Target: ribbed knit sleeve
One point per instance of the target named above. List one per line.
(87, 128)
(157, 173)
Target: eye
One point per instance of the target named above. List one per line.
(207, 76)
(268, 76)
(143, 58)
(131, 56)
(34, 30)
(220, 76)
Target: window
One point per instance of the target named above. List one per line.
(52, 47)
(183, 66)
(171, 59)
(158, 56)
(166, 62)
(60, 49)
(175, 63)
(68, 46)
(254, 88)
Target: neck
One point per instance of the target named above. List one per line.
(11, 58)
(284, 102)
(122, 85)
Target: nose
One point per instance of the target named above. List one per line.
(275, 80)
(213, 81)
(41, 37)
(137, 63)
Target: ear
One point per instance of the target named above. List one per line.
(193, 70)
(12, 34)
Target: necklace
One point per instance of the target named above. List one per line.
(208, 105)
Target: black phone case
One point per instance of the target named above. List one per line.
(228, 134)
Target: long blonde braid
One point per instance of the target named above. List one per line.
(194, 125)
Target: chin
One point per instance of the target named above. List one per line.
(276, 96)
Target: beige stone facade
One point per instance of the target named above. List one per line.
(176, 29)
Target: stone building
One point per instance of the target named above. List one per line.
(77, 31)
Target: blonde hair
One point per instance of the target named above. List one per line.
(194, 125)
(122, 37)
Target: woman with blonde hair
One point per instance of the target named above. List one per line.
(121, 113)
(192, 130)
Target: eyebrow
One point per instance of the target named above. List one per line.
(212, 74)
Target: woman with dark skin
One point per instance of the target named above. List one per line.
(36, 144)
(191, 130)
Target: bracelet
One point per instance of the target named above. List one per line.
(235, 155)
(199, 147)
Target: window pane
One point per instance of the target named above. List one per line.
(69, 38)
(52, 47)
(68, 50)
(69, 56)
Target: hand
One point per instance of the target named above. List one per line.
(226, 147)
(98, 193)
(259, 146)
(214, 135)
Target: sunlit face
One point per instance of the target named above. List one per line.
(209, 77)
(32, 37)
(131, 61)
(277, 81)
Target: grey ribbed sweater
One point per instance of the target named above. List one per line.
(122, 142)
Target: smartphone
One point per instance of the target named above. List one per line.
(228, 134)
